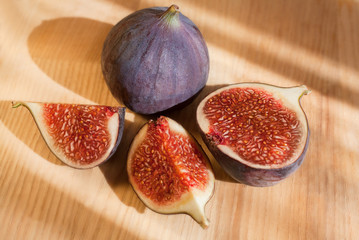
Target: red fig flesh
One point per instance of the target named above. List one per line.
(81, 136)
(155, 59)
(258, 133)
(169, 171)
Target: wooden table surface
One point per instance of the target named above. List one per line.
(50, 51)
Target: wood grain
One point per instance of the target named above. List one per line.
(50, 52)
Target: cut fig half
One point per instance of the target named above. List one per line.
(169, 171)
(81, 136)
(257, 132)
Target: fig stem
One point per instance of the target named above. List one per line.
(171, 16)
(16, 104)
(303, 90)
(306, 90)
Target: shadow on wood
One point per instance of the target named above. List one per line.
(28, 133)
(299, 29)
(53, 208)
(115, 170)
(69, 50)
(310, 25)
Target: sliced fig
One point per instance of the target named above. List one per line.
(155, 59)
(169, 170)
(257, 132)
(81, 136)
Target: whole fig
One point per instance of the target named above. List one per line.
(155, 59)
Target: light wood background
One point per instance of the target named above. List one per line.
(50, 51)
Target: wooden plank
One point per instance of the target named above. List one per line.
(51, 52)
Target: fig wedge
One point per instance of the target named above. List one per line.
(169, 171)
(81, 136)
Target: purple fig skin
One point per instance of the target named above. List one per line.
(249, 175)
(154, 63)
(121, 118)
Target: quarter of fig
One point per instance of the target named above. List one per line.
(169, 171)
(155, 59)
(257, 132)
(81, 136)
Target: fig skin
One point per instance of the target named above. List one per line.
(155, 59)
(241, 170)
(253, 176)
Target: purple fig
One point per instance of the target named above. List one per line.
(155, 59)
